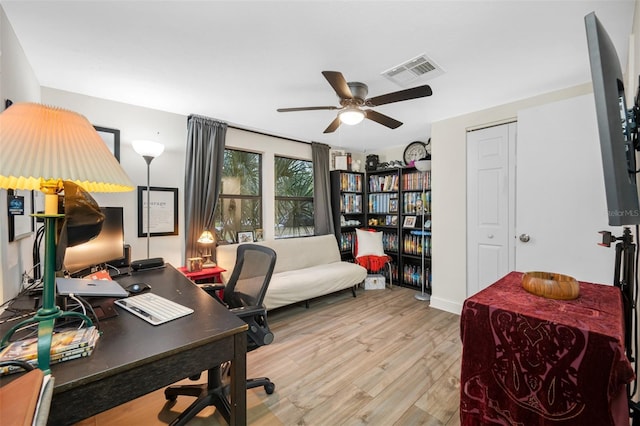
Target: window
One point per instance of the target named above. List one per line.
(239, 206)
(293, 198)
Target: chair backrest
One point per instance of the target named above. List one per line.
(251, 275)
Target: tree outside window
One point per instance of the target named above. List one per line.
(240, 203)
(293, 198)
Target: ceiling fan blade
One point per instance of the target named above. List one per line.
(307, 108)
(333, 126)
(401, 95)
(339, 84)
(385, 120)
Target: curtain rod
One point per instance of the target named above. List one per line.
(267, 134)
(255, 131)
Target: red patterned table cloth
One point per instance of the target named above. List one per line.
(527, 360)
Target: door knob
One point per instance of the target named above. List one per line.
(524, 238)
(490, 236)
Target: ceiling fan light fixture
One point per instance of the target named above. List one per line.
(351, 115)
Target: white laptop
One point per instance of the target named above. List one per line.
(90, 288)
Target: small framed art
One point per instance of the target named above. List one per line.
(20, 208)
(245, 237)
(409, 222)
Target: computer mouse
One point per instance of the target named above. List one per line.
(136, 288)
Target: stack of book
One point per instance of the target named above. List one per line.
(65, 345)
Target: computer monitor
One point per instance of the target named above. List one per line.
(616, 144)
(107, 246)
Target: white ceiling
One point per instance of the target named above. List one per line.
(239, 61)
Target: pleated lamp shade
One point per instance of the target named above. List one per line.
(41, 143)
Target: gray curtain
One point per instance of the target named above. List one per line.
(203, 172)
(322, 216)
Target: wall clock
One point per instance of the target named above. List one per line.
(415, 151)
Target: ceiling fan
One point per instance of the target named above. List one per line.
(353, 99)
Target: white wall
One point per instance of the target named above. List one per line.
(18, 83)
(449, 194)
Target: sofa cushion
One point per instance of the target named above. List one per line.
(303, 284)
(292, 253)
(369, 243)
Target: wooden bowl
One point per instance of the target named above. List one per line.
(551, 285)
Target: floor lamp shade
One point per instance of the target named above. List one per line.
(42, 147)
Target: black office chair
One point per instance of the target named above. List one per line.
(243, 295)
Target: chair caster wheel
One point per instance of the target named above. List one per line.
(171, 398)
(269, 388)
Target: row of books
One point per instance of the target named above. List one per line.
(412, 274)
(412, 202)
(65, 345)
(383, 203)
(350, 182)
(351, 203)
(412, 244)
(416, 181)
(386, 183)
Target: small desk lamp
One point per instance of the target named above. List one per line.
(423, 166)
(148, 150)
(41, 147)
(206, 239)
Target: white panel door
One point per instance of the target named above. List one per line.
(560, 192)
(490, 204)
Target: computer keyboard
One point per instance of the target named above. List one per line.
(153, 308)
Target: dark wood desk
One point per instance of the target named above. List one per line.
(133, 357)
(535, 361)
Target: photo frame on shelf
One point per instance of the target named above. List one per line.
(259, 235)
(393, 205)
(409, 222)
(245, 237)
(163, 216)
(111, 138)
(20, 208)
(333, 153)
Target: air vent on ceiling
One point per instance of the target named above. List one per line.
(420, 67)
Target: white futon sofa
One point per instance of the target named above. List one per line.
(305, 268)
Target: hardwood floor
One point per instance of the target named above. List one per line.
(383, 358)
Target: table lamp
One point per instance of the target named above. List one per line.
(148, 150)
(206, 239)
(43, 146)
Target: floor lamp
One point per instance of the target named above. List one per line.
(41, 148)
(423, 166)
(148, 150)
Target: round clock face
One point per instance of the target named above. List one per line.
(414, 151)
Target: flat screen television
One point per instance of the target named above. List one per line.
(108, 245)
(616, 144)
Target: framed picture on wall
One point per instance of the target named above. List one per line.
(111, 138)
(163, 214)
(20, 208)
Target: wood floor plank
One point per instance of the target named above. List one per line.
(380, 358)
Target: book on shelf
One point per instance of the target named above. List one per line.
(65, 345)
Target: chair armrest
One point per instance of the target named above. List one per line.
(211, 286)
(248, 311)
(213, 290)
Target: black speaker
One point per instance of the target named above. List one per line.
(155, 262)
(123, 261)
